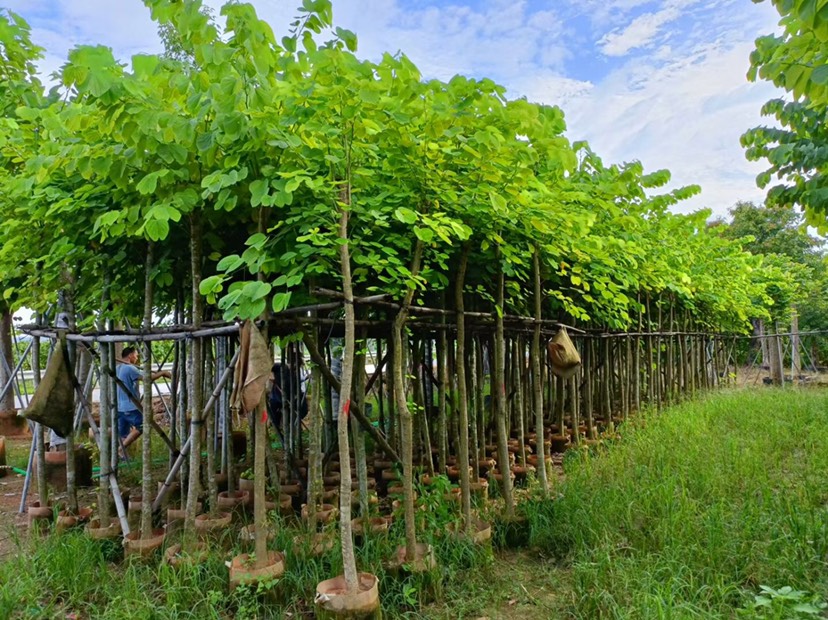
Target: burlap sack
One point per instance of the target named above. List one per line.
(563, 356)
(53, 403)
(252, 369)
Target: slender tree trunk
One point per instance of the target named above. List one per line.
(346, 536)
(442, 371)
(499, 388)
(42, 487)
(404, 414)
(7, 361)
(316, 421)
(796, 359)
(479, 400)
(357, 433)
(69, 309)
(196, 398)
(462, 396)
(146, 437)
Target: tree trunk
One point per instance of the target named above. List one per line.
(103, 414)
(146, 437)
(462, 396)
(316, 421)
(443, 374)
(499, 388)
(7, 361)
(259, 480)
(69, 310)
(356, 430)
(796, 359)
(404, 414)
(346, 537)
(196, 398)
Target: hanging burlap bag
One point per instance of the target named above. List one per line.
(252, 369)
(563, 356)
(53, 403)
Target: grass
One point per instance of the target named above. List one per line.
(689, 515)
(695, 510)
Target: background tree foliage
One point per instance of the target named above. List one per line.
(797, 151)
(232, 131)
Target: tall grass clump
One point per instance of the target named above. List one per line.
(695, 509)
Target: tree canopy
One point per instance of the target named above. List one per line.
(797, 149)
(234, 132)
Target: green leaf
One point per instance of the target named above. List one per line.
(424, 234)
(258, 190)
(143, 65)
(210, 285)
(256, 290)
(820, 75)
(204, 141)
(157, 229)
(281, 301)
(406, 216)
(148, 184)
(230, 263)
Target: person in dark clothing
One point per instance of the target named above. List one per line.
(287, 389)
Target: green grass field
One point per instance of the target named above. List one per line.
(714, 509)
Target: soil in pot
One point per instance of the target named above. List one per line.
(521, 474)
(424, 560)
(314, 545)
(243, 569)
(66, 520)
(233, 501)
(176, 557)
(56, 468)
(143, 548)
(40, 515)
(325, 513)
(374, 526)
(177, 513)
(212, 526)
(248, 533)
(221, 482)
(334, 602)
(423, 569)
(559, 443)
(96, 532)
(481, 532)
(512, 533)
(480, 488)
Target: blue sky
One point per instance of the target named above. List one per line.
(660, 81)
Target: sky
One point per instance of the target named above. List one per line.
(662, 82)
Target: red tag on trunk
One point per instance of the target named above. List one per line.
(264, 415)
(347, 408)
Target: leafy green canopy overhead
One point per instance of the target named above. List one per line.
(244, 132)
(797, 151)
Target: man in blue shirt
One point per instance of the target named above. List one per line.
(130, 418)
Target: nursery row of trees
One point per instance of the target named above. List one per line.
(266, 177)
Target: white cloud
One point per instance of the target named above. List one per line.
(639, 33)
(687, 117)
